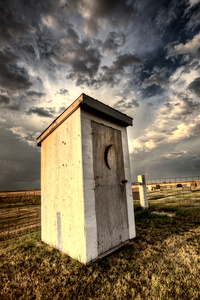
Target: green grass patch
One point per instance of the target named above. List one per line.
(155, 197)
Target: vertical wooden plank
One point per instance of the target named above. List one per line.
(88, 187)
(129, 193)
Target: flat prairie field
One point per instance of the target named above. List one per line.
(162, 262)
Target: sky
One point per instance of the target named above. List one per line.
(141, 57)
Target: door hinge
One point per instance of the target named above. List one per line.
(94, 185)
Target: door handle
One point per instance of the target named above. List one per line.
(124, 181)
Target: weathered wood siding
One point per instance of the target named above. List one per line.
(63, 223)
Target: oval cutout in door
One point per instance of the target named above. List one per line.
(106, 156)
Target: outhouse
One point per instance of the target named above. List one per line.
(86, 192)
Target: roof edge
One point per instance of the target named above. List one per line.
(106, 110)
(88, 103)
(60, 119)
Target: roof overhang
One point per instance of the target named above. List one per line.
(89, 104)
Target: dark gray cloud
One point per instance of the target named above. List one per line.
(124, 105)
(21, 17)
(109, 75)
(28, 48)
(35, 94)
(113, 42)
(17, 101)
(20, 163)
(11, 23)
(112, 75)
(157, 79)
(152, 90)
(193, 22)
(194, 86)
(63, 92)
(80, 55)
(12, 77)
(104, 9)
(12, 101)
(61, 109)
(42, 112)
(4, 99)
(45, 43)
(126, 60)
(115, 12)
(168, 12)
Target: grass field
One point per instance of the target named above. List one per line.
(162, 262)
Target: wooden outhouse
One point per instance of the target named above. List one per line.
(86, 191)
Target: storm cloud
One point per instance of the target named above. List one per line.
(140, 57)
(12, 76)
(113, 42)
(80, 56)
(97, 12)
(35, 94)
(4, 99)
(42, 112)
(194, 86)
(123, 105)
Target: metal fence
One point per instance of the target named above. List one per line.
(176, 187)
(173, 180)
(187, 187)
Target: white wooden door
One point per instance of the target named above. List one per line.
(110, 192)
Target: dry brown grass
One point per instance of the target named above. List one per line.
(162, 262)
(18, 219)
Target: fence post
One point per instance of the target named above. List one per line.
(143, 191)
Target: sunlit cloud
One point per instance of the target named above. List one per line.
(177, 154)
(152, 139)
(24, 135)
(193, 2)
(186, 130)
(190, 47)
